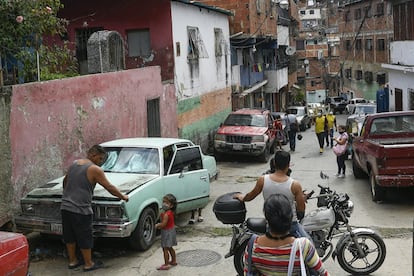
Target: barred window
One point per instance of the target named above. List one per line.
(196, 47)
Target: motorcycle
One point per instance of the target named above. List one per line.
(360, 251)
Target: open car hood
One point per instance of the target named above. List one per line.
(125, 182)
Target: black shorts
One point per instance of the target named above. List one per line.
(77, 229)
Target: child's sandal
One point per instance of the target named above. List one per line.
(163, 267)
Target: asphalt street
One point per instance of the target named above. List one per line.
(201, 247)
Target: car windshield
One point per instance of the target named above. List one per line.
(132, 160)
(365, 109)
(245, 120)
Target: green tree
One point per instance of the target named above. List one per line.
(23, 25)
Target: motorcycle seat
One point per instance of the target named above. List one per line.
(257, 225)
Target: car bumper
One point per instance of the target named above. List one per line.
(395, 180)
(245, 149)
(54, 227)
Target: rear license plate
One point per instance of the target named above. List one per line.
(56, 228)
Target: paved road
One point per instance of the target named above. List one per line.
(208, 242)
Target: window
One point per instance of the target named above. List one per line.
(348, 73)
(381, 78)
(368, 76)
(381, 44)
(367, 11)
(357, 14)
(312, 83)
(358, 75)
(302, 12)
(300, 45)
(368, 44)
(358, 44)
(347, 16)
(196, 48)
(187, 159)
(380, 9)
(348, 45)
(311, 12)
(221, 45)
(139, 43)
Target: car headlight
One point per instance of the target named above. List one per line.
(28, 208)
(220, 137)
(258, 138)
(114, 212)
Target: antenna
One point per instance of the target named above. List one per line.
(290, 50)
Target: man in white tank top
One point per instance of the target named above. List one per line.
(279, 182)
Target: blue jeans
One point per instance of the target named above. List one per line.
(298, 231)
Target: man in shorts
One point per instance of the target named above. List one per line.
(76, 208)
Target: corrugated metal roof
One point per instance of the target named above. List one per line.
(202, 5)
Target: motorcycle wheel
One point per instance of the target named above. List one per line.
(238, 259)
(374, 254)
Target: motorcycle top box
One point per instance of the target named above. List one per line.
(229, 210)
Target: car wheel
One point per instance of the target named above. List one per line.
(358, 172)
(143, 235)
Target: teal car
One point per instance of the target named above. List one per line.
(144, 168)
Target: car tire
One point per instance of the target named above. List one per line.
(264, 157)
(143, 235)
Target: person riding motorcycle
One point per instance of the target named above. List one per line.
(279, 182)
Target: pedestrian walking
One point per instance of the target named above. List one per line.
(331, 124)
(320, 126)
(280, 137)
(341, 150)
(292, 127)
(76, 208)
(168, 233)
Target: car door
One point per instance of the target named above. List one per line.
(187, 180)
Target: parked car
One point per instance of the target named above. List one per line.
(351, 105)
(14, 254)
(282, 116)
(302, 116)
(383, 150)
(144, 168)
(246, 132)
(354, 122)
(336, 104)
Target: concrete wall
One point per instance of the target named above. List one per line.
(203, 85)
(52, 123)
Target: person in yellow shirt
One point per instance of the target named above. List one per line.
(320, 127)
(331, 122)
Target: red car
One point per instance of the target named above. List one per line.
(14, 254)
(246, 132)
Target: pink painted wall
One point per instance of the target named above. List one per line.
(54, 122)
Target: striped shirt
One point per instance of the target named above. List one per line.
(274, 261)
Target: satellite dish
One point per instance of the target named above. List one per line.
(290, 50)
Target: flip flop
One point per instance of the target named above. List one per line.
(74, 265)
(96, 265)
(163, 267)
